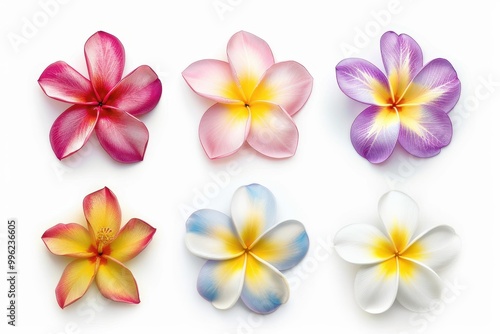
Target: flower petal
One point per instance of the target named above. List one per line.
(105, 58)
(376, 286)
(374, 133)
(402, 58)
(103, 213)
(212, 235)
(287, 84)
(72, 129)
(253, 209)
(362, 81)
(138, 93)
(362, 244)
(249, 56)
(220, 282)
(62, 82)
(214, 80)
(123, 136)
(131, 240)
(419, 286)
(399, 213)
(435, 248)
(75, 281)
(69, 240)
(272, 132)
(424, 130)
(436, 85)
(265, 288)
(116, 282)
(283, 246)
(223, 129)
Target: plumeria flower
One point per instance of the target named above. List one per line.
(408, 106)
(254, 99)
(394, 263)
(106, 103)
(246, 253)
(99, 251)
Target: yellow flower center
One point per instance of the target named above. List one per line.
(104, 237)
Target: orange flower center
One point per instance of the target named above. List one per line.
(104, 237)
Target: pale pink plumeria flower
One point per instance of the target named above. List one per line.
(107, 103)
(255, 99)
(396, 264)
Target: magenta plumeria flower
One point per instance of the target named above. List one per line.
(255, 99)
(107, 102)
(409, 105)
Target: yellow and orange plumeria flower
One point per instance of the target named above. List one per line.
(99, 251)
(246, 253)
(255, 99)
(396, 265)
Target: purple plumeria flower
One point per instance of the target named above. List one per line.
(409, 105)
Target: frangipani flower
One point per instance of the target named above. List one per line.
(106, 102)
(408, 106)
(395, 264)
(254, 99)
(99, 251)
(246, 253)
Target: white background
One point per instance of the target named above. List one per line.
(326, 185)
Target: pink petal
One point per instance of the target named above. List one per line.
(424, 130)
(75, 280)
(62, 82)
(137, 93)
(437, 85)
(287, 84)
(402, 59)
(214, 80)
(105, 58)
(364, 82)
(123, 136)
(72, 129)
(72, 240)
(272, 132)
(223, 129)
(249, 56)
(374, 133)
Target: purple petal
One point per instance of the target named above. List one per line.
(72, 129)
(402, 59)
(424, 130)
(62, 82)
(137, 93)
(437, 85)
(123, 136)
(362, 81)
(374, 133)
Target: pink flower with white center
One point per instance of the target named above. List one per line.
(107, 103)
(255, 99)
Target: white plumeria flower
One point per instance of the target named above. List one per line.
(394, 264)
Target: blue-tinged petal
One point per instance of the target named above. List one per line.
(424, 130)
(374, 133)
(364, 82)
(212, 235)
(402, 59)
(363, 244)
(376, 286)
(220, 282)
(436, 85)
(253, 209)
(284, 246)
(419, 286)
(265, 288)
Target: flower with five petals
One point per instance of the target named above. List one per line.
(99, 251)
(106, 103)
(254, 99)
(246, 253)
(410, 105)
(395, 264)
